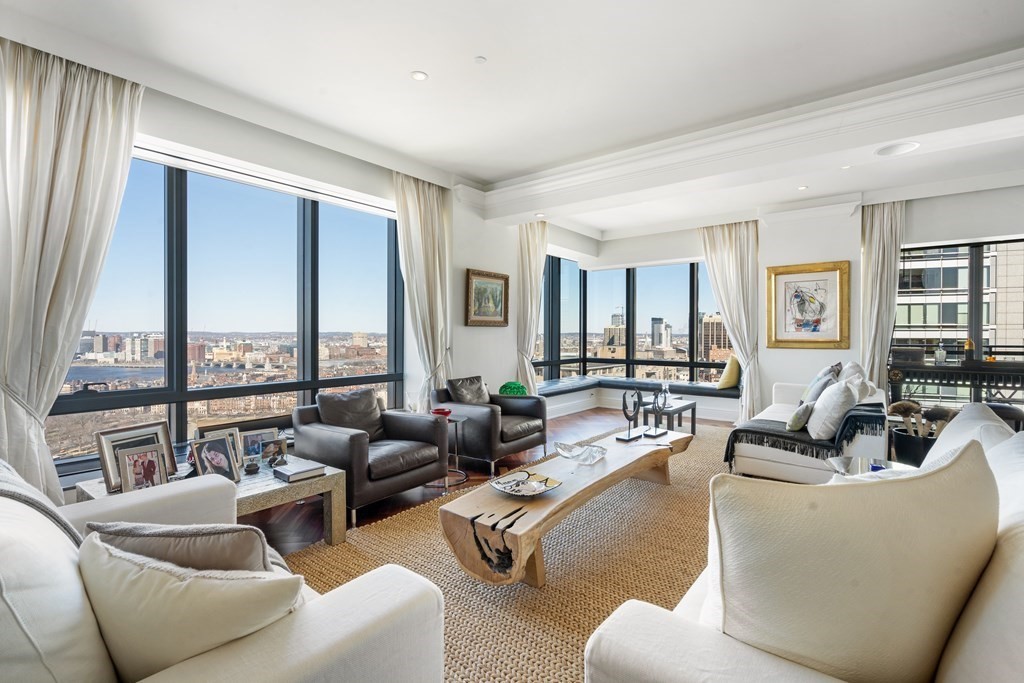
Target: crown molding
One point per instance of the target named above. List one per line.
(992, 181)
(971, 93)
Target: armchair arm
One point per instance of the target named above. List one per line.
(417, 427)
(341, 447)
(481, 433)
(784, 392)
(530, 406)
(199, 500)
(386, 625)
(644, 643)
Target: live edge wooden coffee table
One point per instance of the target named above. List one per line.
(497, 537)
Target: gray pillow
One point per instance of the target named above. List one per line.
(222, 547)
(812, 392)
(468, 390)
(798, 420)
(354, 409)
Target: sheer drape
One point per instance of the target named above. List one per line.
(730, 252)
(65, 149)
(881, 241)
(423, 236)
(533, 250)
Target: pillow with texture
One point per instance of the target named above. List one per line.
(468, 390)
(813, 392)
(863, 387)
(974, 421)
(798, 420)
(154, 614)
(731, 375)
(354, 409)
(829, 410)
(850, 369)
(788, 563)
(223, 547)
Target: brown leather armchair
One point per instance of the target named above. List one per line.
(413, 451)
(502, 426)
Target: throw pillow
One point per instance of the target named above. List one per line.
(731, 375)
(154, 614)
(221, 547)
(468, 390)
(975, 421)
(850, 369)
(813, 392)
(863, 387)
(354, 409)
(829, 410)
(798, 420)
(789, 564)
(833, 369)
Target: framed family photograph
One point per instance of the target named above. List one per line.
(212, 455)
(809, 306)
(252, 442)
(142, 467)
(486, 299)
(273, 449)
(110, 441)
(235, 438)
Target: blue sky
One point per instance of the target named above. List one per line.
(242, 250)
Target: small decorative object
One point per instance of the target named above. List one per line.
(658, 404)
(585, 455)
(940, 355)
(142, 467)
(252, 466)
(213, 456)
(110, 441)
(524, 484)
(809, 306)
(512, 389)
(969, 349)
(910, 411)
(937, 418)
(486, 299)
(630, 414)
(252, 442)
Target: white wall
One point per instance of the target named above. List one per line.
(648, 250)
(969, 216)
(826, 233)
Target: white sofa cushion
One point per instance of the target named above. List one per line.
(47, 628)
(221, 547)
(862, 582)
(830, 409)
(155, 614)
(975, 421)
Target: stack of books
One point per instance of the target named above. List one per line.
(297, 471)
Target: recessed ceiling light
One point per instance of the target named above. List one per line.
(480, 59)
(843, 168)
(897, 148)
(419, 75)
(802, 187)
(539, 215)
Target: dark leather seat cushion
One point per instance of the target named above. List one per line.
(517, 426)
(389, 457)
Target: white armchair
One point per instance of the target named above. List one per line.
(387, 625)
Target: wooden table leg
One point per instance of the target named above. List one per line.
(334, 515)
(535, 568)
(658, 474)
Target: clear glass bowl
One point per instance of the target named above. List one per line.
(585, 455)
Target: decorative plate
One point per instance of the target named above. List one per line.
(585, 455)
(525, 484)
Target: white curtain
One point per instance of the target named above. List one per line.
(881, 241)
(423, 238)
(65, 149)
(533, 250)
(730, 252)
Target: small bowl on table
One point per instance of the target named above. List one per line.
(585, 455)
(443, 412)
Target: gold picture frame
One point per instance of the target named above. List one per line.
(809, 306)
(486, 299)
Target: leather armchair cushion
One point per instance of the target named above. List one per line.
(355, 410)
(390, 457)
(515, 427)
(469, 390)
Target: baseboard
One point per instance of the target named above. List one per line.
(708, 408)
(567, 404)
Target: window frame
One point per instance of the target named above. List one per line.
(176, 395)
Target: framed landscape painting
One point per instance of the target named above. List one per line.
(486, 299)
(809, 306)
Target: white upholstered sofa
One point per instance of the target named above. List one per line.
(641, 642)
(386, 625)
(776, 463)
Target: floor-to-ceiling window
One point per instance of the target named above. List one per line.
(225, 298)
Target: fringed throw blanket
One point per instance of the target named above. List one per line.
(867, 419)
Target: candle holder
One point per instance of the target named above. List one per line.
(658, 404)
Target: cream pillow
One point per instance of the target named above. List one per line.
(154, 614)
(221, 547)
(851, 369)
(863, 582)
(731, 375)
(829, 410)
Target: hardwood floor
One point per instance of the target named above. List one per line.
(294, 526)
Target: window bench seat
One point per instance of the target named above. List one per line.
(568, 385)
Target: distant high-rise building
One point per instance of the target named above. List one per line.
(196, 353)
(668, 337)
(136, 349)
(359, 340)
(657, 333)
(99, 343)
(155, 346)
(243, 348)
(618, 319)
(712, 335)
(615, 334)
(114, 343)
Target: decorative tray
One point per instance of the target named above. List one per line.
(524, 484)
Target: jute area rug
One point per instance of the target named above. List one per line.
(636, 540)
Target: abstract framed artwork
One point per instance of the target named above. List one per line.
(809, 306)
(486, 299)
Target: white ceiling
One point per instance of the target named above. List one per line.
(564, 81)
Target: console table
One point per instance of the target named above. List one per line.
(998, 377)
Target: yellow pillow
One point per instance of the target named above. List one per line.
(731, 374)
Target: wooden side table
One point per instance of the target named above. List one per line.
(263, 490)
